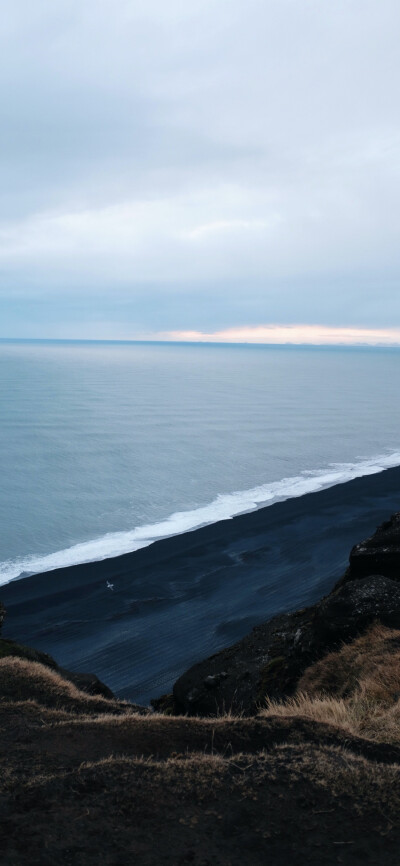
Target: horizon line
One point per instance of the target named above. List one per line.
(166, 342)
(299, 334)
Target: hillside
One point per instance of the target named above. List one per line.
(309, 774)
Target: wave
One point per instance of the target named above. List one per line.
(224, 507)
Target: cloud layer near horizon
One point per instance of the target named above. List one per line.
(198, 168)
(312, 335)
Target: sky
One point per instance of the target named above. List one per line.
(203, 169)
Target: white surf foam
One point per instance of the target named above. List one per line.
(223, 507)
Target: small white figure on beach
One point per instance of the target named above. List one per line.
(109, 585)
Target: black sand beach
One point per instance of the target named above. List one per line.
(185, 597)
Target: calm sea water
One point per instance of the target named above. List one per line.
(105, 447)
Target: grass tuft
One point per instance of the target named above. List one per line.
(22, 680)
(356, 688)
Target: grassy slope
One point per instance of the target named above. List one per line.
(356, 689)
(87, 781)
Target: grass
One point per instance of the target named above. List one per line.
(356, 688)
(121, 787)
(22, 680)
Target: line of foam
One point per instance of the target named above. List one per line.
(223, 507)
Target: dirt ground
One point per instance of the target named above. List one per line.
(113, 791)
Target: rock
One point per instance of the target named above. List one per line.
(212, 681)
(270, 660)
(164, 704)
(232, 680)
(348, 611)
(2, 614)
(379, 554)
(88, 683)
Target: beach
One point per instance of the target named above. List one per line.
(188, 596)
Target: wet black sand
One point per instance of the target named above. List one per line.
(186, 597)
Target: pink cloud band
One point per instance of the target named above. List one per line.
(295, 334)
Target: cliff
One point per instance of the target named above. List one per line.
(268, 663)
(282, 748)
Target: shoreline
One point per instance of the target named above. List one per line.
(225, 506)
(186, 596)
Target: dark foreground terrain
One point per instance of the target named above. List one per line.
(300, 764)
(310, 775)
(100, 789)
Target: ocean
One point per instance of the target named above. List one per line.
(107, 447)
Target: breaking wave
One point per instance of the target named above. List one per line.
(224, 507)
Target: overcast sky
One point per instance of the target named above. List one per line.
(202, 166)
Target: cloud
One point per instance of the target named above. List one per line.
(315, 335)
(202, 165)
(232, 226)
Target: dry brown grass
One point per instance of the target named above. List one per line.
(345, 773)
(356, 688)
(372, 659)
(22, 680)
(128, 788)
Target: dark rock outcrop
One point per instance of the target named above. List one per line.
(379, 554)
(270, 660)
(88, 683)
